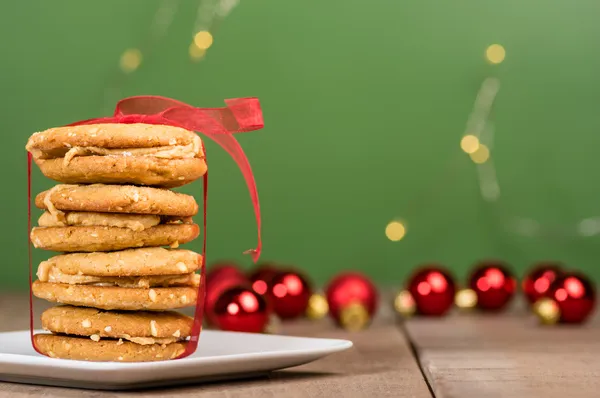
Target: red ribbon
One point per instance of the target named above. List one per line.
(219, 124)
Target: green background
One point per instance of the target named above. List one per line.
(365, 104)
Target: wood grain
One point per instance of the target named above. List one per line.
(380, 365)
(507, 355)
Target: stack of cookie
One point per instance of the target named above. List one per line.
(113, 219)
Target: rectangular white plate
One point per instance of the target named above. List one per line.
(220, 355)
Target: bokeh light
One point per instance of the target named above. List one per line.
(203, 40)
(469, 144)
(495, 54)
(196, 54)
(130, 60)
(395, 231)
(481, 155)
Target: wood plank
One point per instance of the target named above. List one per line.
(380, 365)
(507, 355)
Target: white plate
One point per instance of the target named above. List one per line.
(220, 355)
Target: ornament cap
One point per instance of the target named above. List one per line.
(465, 299)
(354, 316)
(404, 304)
(317, 306)
(547, 311)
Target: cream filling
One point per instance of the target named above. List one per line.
(50, 273)
(136, 222)
(177, 220)
(165, 152)
(57, 214)
(150, 340)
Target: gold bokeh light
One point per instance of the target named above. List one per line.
(469, 143)
(495, 54)
(130, 60)
(196, 53)
(481, 155)
(395, 231)
(203, 40)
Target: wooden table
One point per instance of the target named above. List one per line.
(462, 355)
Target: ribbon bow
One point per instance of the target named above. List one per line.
(219, 124)
(240, 115)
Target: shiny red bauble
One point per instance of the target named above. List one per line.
(288, 294)
(216, 286)
(538, 280)
(240, 309)
(494, 285)
(261, 278)
(230, 302)
(432, 289)
(351, 289)
(223, 270)
(575, 296)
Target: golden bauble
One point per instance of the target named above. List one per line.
(404, 304)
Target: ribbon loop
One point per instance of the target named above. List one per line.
(146, 105)
(247, 113)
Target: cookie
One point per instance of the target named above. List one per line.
(148, 261)
(116, 199)
(143, 154)
(86, 349)
(167, 173)
(117, 298)
(108, 135)
(141, 327)
(97, 238)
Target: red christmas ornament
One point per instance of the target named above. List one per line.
(216, 286)
(262, 278)
(494, 285)
(433, 290)
(538, 280)
(223, 270)
(231, 304)
(352, 299)
(240, 309)
(288, 294)
(575, 297)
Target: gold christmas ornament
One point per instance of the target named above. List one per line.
(354, 317)
(465, 299)
(317, 306)
(404, 304)
(547, 311)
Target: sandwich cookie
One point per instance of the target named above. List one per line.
(138, 153)
(94, 335)
(143, 268)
